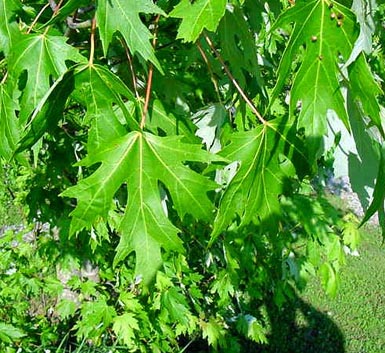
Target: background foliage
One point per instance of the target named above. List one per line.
(171, 146)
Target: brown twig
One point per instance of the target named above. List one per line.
(131, 65)
(234, 81)
(213, 79)
(92, 41)
(149, 79)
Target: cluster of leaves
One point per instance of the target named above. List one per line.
(172, 144)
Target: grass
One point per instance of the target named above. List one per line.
(353, 322)
(359, 307)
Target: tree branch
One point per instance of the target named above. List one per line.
(149, 80)
(234, 81)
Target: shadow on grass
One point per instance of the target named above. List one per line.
(300, 328)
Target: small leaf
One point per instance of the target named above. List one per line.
(66, 308)
(125, 326)
(213, 331)
(197, 16)
(209, 122)
(329, 279)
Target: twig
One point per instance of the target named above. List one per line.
(4, 78)
(234, 81)
(53, 5)
(37, 17)
(92, 40)
(149, 80)
(131, 65)
(213, 79)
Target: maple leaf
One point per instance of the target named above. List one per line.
(8, 25)
(326, 31)
(238, 46)
(198, 16)
(125, 326)
(142, 161)
(123, 16)
(43, 57)
(253, 192)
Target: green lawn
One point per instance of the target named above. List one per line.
(359, 308)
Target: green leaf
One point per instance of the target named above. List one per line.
(9, 129)
(253, 192)
(351, 234)
(364, 90)
(96, 317)
(66, 308)
(49, 111)
(175, 307)
(8, 24)
(163, 122)
(104, 95)
(329, 279)
(365, 11)
(377, 204)
(143, 161)
(213, 331)
(125, 326)
(238, 46)
(209, 122)
(249, 326)
(123, 16)
(197, 16)
(43, 57)
(322, 34)
(9, 333)
(66, 10)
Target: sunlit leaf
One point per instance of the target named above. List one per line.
(123, 16)
(142, 161)
(197, 16)
(322, 36)
(43, 58)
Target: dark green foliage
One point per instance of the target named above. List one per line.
(171, 146)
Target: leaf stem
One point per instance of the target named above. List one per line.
(234, 81)
(92, 40)
(131, 65)
(149, 79)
